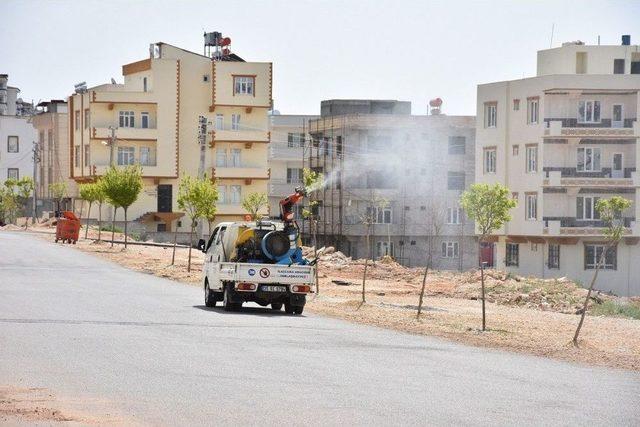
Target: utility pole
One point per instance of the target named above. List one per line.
(36, 160)
(111, 143)
(202, 142)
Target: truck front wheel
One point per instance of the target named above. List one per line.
(209, 296)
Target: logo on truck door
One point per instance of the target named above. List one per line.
(264, 273)
(252, 272)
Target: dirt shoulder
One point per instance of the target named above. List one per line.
(524, 315)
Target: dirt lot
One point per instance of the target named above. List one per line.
(523, 314)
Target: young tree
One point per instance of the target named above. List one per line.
(90, 194)
(610, 211)
(195, 196)
(58, 191)
(434, 221)
(100, 199)
(313, 181)
(8, 200)
(489, 206)
(374, 206)
(253, 203)
(121, 188)
(25, 187)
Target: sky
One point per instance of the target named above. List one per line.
(406, 50)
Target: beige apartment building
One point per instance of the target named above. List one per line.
(560, 141)
(374, 150)
(51, 123)
(286, 150)
(152, 119)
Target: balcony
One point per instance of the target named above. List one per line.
(282, 187)
(285, 153)
(555, 179)
(123, 97)
(241, 135)
(558, 128)
(126, 133)
(243, 171)
(572, 227)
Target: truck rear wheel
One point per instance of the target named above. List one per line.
(209, 296)
(293, 309)
(226, 300)
(277, 306)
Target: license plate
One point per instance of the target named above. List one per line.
(270, 288)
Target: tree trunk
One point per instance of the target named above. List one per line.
(366, 263)
(190, 245)
(586, 300)
(99, 221)
(424, 282)
(86, 230)
(315, 257)
(125, 228)
(175, 242)
(113, 225)
(484, 316)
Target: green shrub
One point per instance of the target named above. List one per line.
(612, 308)
(108, 227)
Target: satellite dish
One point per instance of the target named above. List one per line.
(113, 81)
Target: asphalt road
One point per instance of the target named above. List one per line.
(89, 329)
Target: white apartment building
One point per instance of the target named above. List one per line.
(286, 150)
(17, 134)
(560, 141)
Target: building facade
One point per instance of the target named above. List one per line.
(17, 134)
(289, 134)
(395, 177)
(560, 141)
(153, 120)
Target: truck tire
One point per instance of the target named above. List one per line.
(293, 309)
(209, 296)
(226, 300)
(276, 306)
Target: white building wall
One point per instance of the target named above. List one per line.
(22, 160)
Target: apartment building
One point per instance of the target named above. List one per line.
(17, 134)
(51, 124)
(560, 141)
(152, 119)
(286, 151)
(402, 173)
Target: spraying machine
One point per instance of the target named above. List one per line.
(259, 261)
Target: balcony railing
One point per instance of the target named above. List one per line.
(242, 171)
(125, 97)
(240, 135)
(284, 152)
(104, 133)
(282, 187)
(573, 227)
(559, 128)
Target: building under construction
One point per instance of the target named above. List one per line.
(393, 180)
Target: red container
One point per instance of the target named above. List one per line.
(68, 228)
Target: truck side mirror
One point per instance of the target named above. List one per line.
(201, 244)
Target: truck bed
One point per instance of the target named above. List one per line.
(266, 273)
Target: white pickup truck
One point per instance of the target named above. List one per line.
(234, 282)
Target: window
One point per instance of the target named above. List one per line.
(295, 140)
(236, 194)
(450, 249)
(235, 157)
(589, 112)
(219, 121)
(532, 110)
(127, 119)
(76, 153)
(126, 155)
(593, 253)
(515, 150)
(13, 173)
(235, 122)
(455, 180)
(222, 194)
(512, 255)
(532, 158)
(205, 78)
(490, 160)
(453, 215)
(13, 145)
(412, 243)
(87, 153)
(87, 116)
(423, 208)
(457, 144)
(589, 159)
(243, 85)
(144, 120)
(221, 158)
(586, 208)
(407, 208)
(294, 175)
(161, 227)
(516, 105)
(618, 66)
(76, 118)
(553, 260)
(531, 207)
(379, 215)
(490, 115)
(533, 247)
(147, 156)
(383, 248)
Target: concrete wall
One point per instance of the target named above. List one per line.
(22, 160)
